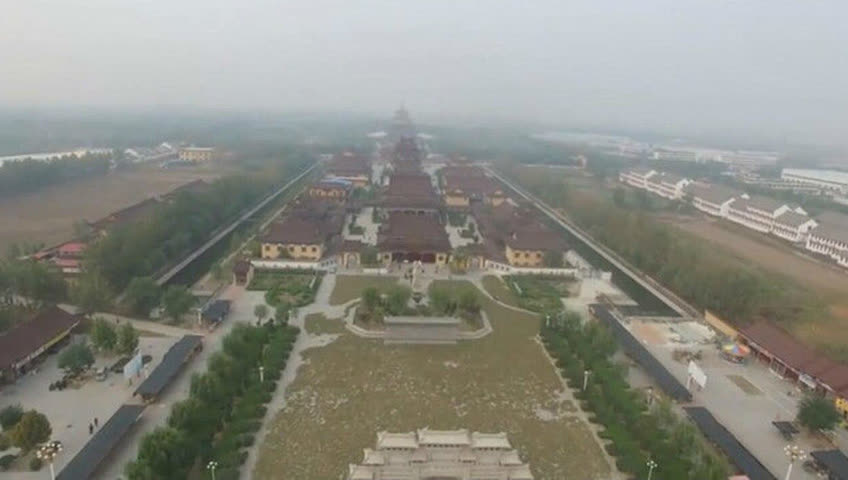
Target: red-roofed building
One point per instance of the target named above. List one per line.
(794, 361)
(71, 249)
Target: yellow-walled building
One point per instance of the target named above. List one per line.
(527, 247)
(294, 238)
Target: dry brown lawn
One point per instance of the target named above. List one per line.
(776, 256)
(353, 388)
(48, 215)
(350, 287)
(768, 253)
(499, 291)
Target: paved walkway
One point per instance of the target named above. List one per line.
(304, 342)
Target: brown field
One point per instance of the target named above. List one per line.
(773, 255)
(48, 215)
(769, 253)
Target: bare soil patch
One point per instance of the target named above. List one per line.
(48, 215)
(768, 253)
(744, 385)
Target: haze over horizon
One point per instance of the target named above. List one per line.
(772, 70)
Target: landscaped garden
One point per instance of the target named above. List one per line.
(292, 288)
(539, 293)
(351, 389)
(350, 287)
(462, 303)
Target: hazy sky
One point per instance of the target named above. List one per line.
(774, 68)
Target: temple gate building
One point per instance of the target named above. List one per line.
(441, 454)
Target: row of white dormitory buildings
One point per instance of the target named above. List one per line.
(827, 234)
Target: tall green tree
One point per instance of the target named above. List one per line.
(468, 301)
(164, 453)
(33, 428)
(127, 339)
(91, 293)
(397, 299)
(10, 416)
(177, 301)
(142, 295)
(441, 301)
(76, 358)
(818, 413)
(35, 282)
(103, 335)
(370, 298)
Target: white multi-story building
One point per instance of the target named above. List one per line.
(677, 154)
(830, 240)
(637, 177)
(714, 200)
(667, 185)
(441, 454)
(832, 180)
(758, 212)
(793, 226)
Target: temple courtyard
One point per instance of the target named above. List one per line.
(349, 388)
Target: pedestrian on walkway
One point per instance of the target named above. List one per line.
(95, 422)
(90, 428)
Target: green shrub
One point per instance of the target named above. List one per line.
(245, 426)
(10, 416)
(5, 443)
(6, 461)
(247, 440)
(35, 464)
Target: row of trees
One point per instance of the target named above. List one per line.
(694, 269)
(224, 408)
(143, 248)
(26, 286)
(29, 175)
(636, 431)
(24, 429)
(463, 302)
(394, 302)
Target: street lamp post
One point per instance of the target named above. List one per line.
(651, 466)
(261, 374)
(211, 466)
(47, 453)
(586, 374)
(795, 454)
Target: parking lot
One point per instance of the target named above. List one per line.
(156, 414)
(71, 410)
(745, 398)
